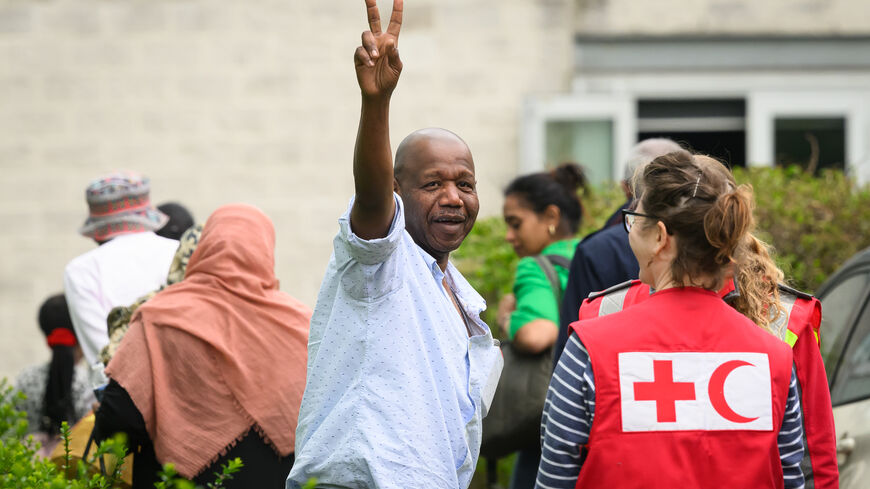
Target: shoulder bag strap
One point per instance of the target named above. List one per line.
(559, 261)
(546, 263)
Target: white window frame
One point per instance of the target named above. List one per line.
(620, 109)
(768, 95)
(764, 107)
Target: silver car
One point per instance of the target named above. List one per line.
(846, 349)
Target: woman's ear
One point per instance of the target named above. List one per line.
(553, 215)
(666, 244)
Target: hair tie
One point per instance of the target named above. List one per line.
(61, 337)
(694, 192)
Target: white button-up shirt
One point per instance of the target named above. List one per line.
(113, 274)
(396, 388)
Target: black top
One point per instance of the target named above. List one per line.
(263, 468)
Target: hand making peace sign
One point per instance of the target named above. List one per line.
(377, 61)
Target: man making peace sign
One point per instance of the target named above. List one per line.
(401, 369)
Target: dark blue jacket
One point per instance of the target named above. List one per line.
(603, 259)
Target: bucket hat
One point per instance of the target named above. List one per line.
(120, 203)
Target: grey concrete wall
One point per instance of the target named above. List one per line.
(231, 101)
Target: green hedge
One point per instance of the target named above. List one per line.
(814, 223)
(20, 468)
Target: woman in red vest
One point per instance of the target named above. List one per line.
(681, 389)
(791, 315)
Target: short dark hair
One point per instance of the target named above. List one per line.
(180, 219)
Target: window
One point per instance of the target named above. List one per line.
(716, 127)
(824, 128)
(594, 131)
(586, 142)
(838, 309)
(810, 142)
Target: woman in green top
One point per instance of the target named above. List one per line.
(543, 214)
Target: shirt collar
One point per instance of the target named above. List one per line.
(465, 293)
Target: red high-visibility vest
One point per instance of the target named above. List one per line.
(663, 417)
(799, 327)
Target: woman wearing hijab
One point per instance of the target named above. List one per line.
(213, 367)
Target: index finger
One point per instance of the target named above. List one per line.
(395, 19)
(374, 16)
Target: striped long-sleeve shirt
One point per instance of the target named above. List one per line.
(570, 408)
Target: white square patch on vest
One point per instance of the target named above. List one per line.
(695, 391)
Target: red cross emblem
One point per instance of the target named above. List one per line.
(664, 391)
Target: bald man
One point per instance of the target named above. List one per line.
(401, 369)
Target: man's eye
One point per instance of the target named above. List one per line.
(466, 185)
(430, 185)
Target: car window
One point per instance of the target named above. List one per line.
(838, 308)
(853, 379)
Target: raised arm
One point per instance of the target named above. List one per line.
(377, 71)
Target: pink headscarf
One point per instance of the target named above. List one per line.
(220, 352)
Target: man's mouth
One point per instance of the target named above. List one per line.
(451, 224)
(449, 219)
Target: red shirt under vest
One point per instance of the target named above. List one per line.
(688, 393)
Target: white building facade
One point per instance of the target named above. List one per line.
(256, 102)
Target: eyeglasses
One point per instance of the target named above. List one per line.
(628, 218)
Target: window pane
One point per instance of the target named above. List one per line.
(854, 379)
(810, 141)
(587, 142)
(713, 127)
(838, 308)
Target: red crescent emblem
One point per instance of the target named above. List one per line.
(716, 390)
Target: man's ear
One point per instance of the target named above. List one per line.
(396, 186)
(626, 189)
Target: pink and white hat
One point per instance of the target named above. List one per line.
(119, 204)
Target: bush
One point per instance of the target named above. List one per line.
(21, 469)
(814, 223)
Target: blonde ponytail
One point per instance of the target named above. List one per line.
(757, 278)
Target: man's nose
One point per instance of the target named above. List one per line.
(450, 196)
